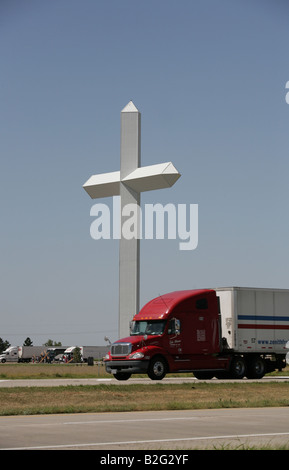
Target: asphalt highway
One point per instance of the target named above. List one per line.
(194, 429)
(112, 380)
(181, 430)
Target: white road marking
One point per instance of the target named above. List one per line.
(151, 441)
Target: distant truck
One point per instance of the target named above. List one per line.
(52, 352)
(224, 333)
(9, 355)
(95, 352)
(29, 353)
(21, 353)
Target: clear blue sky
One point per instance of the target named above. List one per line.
(209, 78)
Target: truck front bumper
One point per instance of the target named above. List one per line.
(128, 367)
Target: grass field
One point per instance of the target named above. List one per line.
(135, 397)
(42, 371)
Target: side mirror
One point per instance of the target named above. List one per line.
(107, 339)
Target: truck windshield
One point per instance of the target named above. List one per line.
(149, 327)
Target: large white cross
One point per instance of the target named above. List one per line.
(129, 182)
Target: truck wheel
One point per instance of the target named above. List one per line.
(157, 368)
(238, 368)
(121, 376)
(256, 368)
(3, 361)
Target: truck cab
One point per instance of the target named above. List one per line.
(175, 332)
(9, 355)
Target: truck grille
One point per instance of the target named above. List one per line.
(120, 349)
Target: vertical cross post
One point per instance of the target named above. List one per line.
(129, 250)
(129, 182)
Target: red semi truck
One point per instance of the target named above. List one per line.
(224, 333)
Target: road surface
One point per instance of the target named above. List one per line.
(181, 430)
(97, 381)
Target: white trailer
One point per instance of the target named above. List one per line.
(255, 320)
(30, 353)
(96, 352)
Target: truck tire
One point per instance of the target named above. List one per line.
(157, 368)
(238, 368)
(121, 376)
(256, 368)
(3, 361)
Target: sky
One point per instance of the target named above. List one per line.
(209, 78)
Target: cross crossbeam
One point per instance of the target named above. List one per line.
(146, 178)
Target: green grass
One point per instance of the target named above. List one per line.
(141, 397)
(50, 371)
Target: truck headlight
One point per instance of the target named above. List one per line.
(137, 355)
(106, 357)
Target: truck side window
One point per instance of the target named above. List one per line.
(174, 327)
(202, 304)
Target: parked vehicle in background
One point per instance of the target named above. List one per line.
(30, 353)
(9, 355)
(86, 352)
(22, 354)
(53, 352)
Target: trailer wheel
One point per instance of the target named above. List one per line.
(256, 368)
(157, 368)
(121, 376)
(237, 368)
